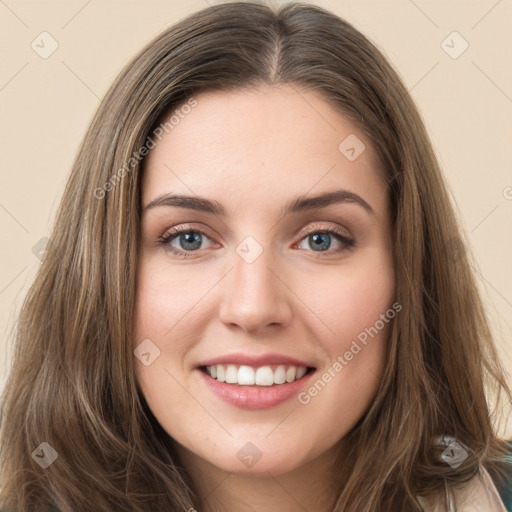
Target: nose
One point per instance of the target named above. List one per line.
(255, 296)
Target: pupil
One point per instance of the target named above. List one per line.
(322, 240)
(190, 238)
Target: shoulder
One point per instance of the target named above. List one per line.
(478, 495)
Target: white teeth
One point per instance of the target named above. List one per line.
(264, 376)
(231, 374)
(300, 372)
(290, 373)
(280, 375)
(248, 376)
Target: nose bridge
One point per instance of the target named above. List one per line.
(254, 297)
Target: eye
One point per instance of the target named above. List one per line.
(321, 239)
(188, 240)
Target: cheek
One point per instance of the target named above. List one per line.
(358, 310)
(355, 303)
(162, 315)
(165, 301)
(156, 318)
(351, 299)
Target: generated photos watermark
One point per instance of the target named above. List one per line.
(341, 361)
(137, 156)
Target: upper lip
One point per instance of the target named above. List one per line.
(255, 361)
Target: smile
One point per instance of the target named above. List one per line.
(244, 375)
(264, 393)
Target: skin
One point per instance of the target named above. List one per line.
(254, 152)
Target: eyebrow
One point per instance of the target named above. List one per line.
(298, 205)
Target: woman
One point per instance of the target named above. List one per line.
(255, 295)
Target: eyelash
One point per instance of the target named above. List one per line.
(171, 234)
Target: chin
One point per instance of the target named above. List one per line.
(258, 458)
(263, 468)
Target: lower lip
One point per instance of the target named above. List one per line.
(255, 397)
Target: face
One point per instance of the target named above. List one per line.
(287, 298)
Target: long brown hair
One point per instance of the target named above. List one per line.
(72, 384)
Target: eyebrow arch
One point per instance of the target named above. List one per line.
(298, 205)
(302, 203)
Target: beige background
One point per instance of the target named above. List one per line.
(46, 105)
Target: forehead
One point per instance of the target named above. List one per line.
(265, 144)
